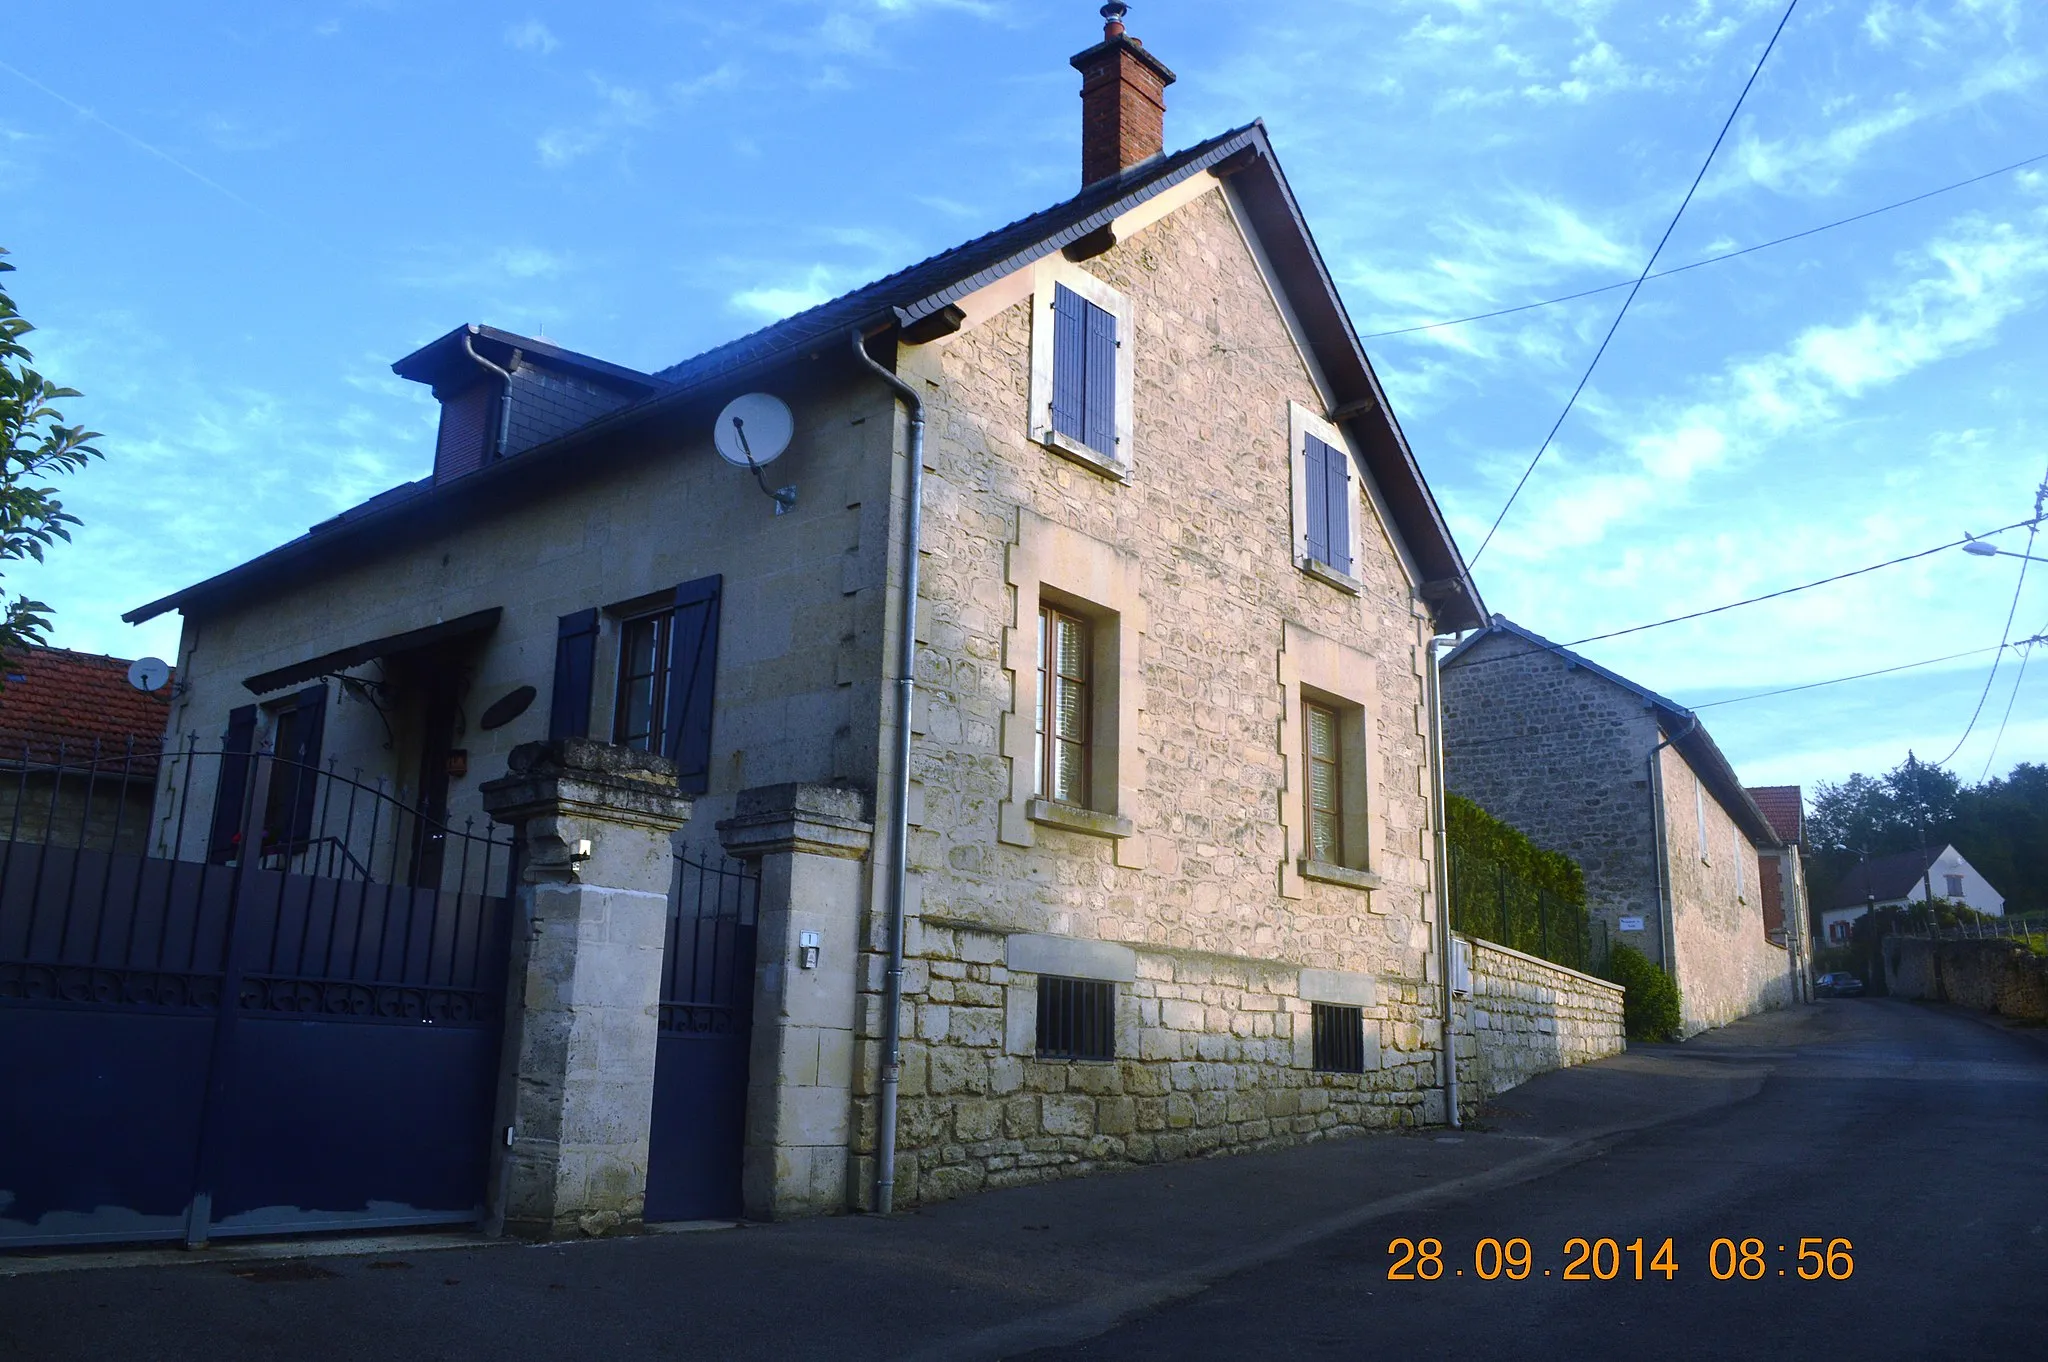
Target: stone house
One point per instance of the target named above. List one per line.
(1906, 878)
(78, 750)
(1157, 878)
(1781, 879)
(1631, 786)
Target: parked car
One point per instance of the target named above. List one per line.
(1838, 986)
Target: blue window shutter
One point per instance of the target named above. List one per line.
(1101, 418)
(304, 777)
(1337, 506)
(1069, 363)
(231, 794)
(1315, 483)
(575, 665)
(692, 670)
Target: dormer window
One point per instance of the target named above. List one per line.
(1081, 375)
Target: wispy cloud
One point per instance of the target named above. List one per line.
(623, 109)
(531, 35)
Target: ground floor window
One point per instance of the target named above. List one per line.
(1076, 1018)
(1338, 1033)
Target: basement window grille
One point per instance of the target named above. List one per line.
(1076, 1018)
(1339, 1034)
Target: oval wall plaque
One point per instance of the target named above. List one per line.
(507, 707)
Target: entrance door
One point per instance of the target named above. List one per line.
(700, 1064)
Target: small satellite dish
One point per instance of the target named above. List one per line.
(753, 430)
(507, 707)
(148, 673)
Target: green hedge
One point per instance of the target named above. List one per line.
(1651, 1010)
(1506, 889)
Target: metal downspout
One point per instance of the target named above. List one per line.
(1666, 931)
(504, 399)
(899, 803)
(1442, 886)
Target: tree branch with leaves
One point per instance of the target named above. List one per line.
(37, 447)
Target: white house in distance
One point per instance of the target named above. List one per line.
(1895, 881)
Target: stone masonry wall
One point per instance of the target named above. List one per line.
(1990, 976)
(1562, 755)
(1212, 1053)
(1213, 1056)
(1527, 1016)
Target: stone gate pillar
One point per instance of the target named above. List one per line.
(590, 914)
(810, 841)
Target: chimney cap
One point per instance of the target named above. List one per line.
(1113, 18)
(1115, 40)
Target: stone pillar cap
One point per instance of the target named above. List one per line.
(818, 820)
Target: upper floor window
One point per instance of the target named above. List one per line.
(1081, 372)
(1955, 885)
(663, 686)
(1325, 499)
(1063, 705)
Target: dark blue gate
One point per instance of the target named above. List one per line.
(700, 1063)
(237, 1004)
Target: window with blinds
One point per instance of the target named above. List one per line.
(1084, 360)
(1326, 500)
(1325, 784)
(1063, 701)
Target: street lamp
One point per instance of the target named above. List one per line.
(1980, 549)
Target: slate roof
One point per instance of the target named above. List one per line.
(1785, 807)
(1886, 878)
(914, 293)
(1681, 725)
(55, 696)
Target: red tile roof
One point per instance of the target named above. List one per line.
(1785, 807)
(54, 695)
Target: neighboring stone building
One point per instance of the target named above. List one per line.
(1782, 878)
(1904, 879)
(78, 750)
(1168, 825)
(1631, 786)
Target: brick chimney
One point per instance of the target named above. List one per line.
(1123, 100)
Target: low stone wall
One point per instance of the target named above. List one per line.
(1213, 1056)
(1527, 1016)
(1991, 976)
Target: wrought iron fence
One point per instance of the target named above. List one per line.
(1490, 901)
(708, 960)
(161, 878)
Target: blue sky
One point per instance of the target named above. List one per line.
(230, 218)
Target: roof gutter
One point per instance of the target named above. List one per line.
(898, 833)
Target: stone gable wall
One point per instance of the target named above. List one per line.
(1562, 755)
(1215, 1052)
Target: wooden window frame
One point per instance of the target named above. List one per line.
(1311, 711)
(663, 622)
(1050, 679)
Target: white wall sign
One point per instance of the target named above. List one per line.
(1631, 924)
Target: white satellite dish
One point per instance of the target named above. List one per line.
(753, 430)
(148, 673)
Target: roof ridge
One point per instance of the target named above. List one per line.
(1106, 190)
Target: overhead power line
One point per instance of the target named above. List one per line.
(1803, 586)
(2026, 653)
(1636, 288)
(1707, 260)
(1859, 676)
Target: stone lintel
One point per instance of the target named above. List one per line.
(809, 820)
(1072, 957)
(1347, 987)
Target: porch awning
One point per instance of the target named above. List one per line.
(480, 622)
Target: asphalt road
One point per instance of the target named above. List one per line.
(1914, 1133)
